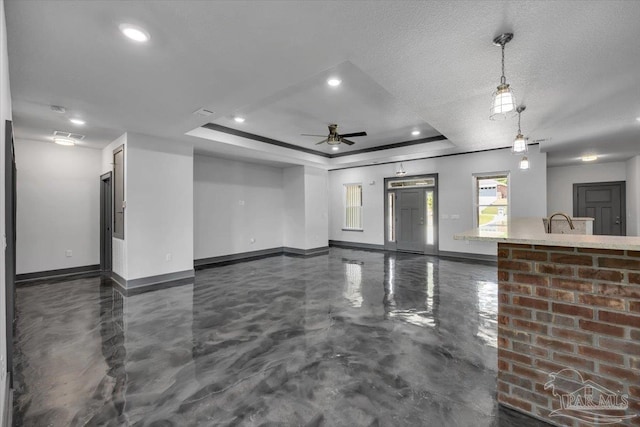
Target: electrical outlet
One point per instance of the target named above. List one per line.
(168, 257)
(69, 253)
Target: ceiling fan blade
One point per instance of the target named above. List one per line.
(322, 142)
(349, 135)
(346, 141)
(309, 134)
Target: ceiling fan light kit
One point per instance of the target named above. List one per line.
(334, 138)
(503, 104)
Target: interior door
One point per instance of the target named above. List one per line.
(410, 210)
(106, 220)
(603, 201)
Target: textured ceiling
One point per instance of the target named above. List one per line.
(574, 64)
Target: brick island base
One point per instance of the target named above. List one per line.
(575, 313)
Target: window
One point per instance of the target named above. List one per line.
(353, 207)
(492, 199)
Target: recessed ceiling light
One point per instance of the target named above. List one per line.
(334, 81)
(638, 119)
(589, 158)
(78, 122)
(335, 148)
(415, 133)
(239, 119)
(134, 33)
(64, 141)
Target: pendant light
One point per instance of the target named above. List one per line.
(503, 104)
(524, 164)
(520, 143)
(401, 171)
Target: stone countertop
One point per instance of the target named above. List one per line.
(530, 231)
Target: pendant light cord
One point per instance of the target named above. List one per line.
(503, 79)
(519, 131)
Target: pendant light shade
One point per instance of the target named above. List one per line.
(503, 104)
(520, 143)
(401, 171)
(524, 164)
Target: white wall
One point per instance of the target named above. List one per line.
(119, 246)
(159, 194)
(58, 206)
(633, 196)
(235, 202)
(560, 182)
(5, 114)
(294, 208)
(316, 183)
(455, 190)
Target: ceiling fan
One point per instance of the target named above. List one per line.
(334, 138)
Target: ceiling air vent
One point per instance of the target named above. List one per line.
(62, 134)
(58, 109)
(203, 112)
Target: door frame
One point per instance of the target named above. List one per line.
(10, 250)
(623, 199)
(106, 205)
(392, 246)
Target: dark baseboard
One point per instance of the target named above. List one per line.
(26, 277)
(306, 252)
(466, 256)
(355, 245)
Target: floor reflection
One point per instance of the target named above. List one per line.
(352, 338)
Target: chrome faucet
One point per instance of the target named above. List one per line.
(561, 214)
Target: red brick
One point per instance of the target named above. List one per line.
(622, 373)
(515, 380)
(634, 306)
(503, 365)
(555, 294)
(530, 326)
(628, 291)
(634, 390)
(513, 334)
(573, 285)
(572, 259)
(530, 302)
(627, 347)
(531, 279)
(547, 366)
(504, 297)
(554, 344)
(515, 288)
(572, 310)
(575, 362)
(612, 252)
(554, 248)
(596, 353)
(606, 275)
(503, 276)
(513, 402)
(621, 263)
(615, 303)
(635, 334)
(503, 387)
(503, 253)
(532, 374)
(575, 336)
(619, 318)
(601, 328)
(516, 311)
(503, 320)
(529, 255)
(634, 278)
(634, 253)
(504, 264)
(529, 349)
(554, 269)
(530, 396)
(609, 383)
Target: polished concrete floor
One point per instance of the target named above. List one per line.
(352, 338)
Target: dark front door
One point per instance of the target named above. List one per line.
(603, 201)
(106, 220)
(410, 225)
(10, 251)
